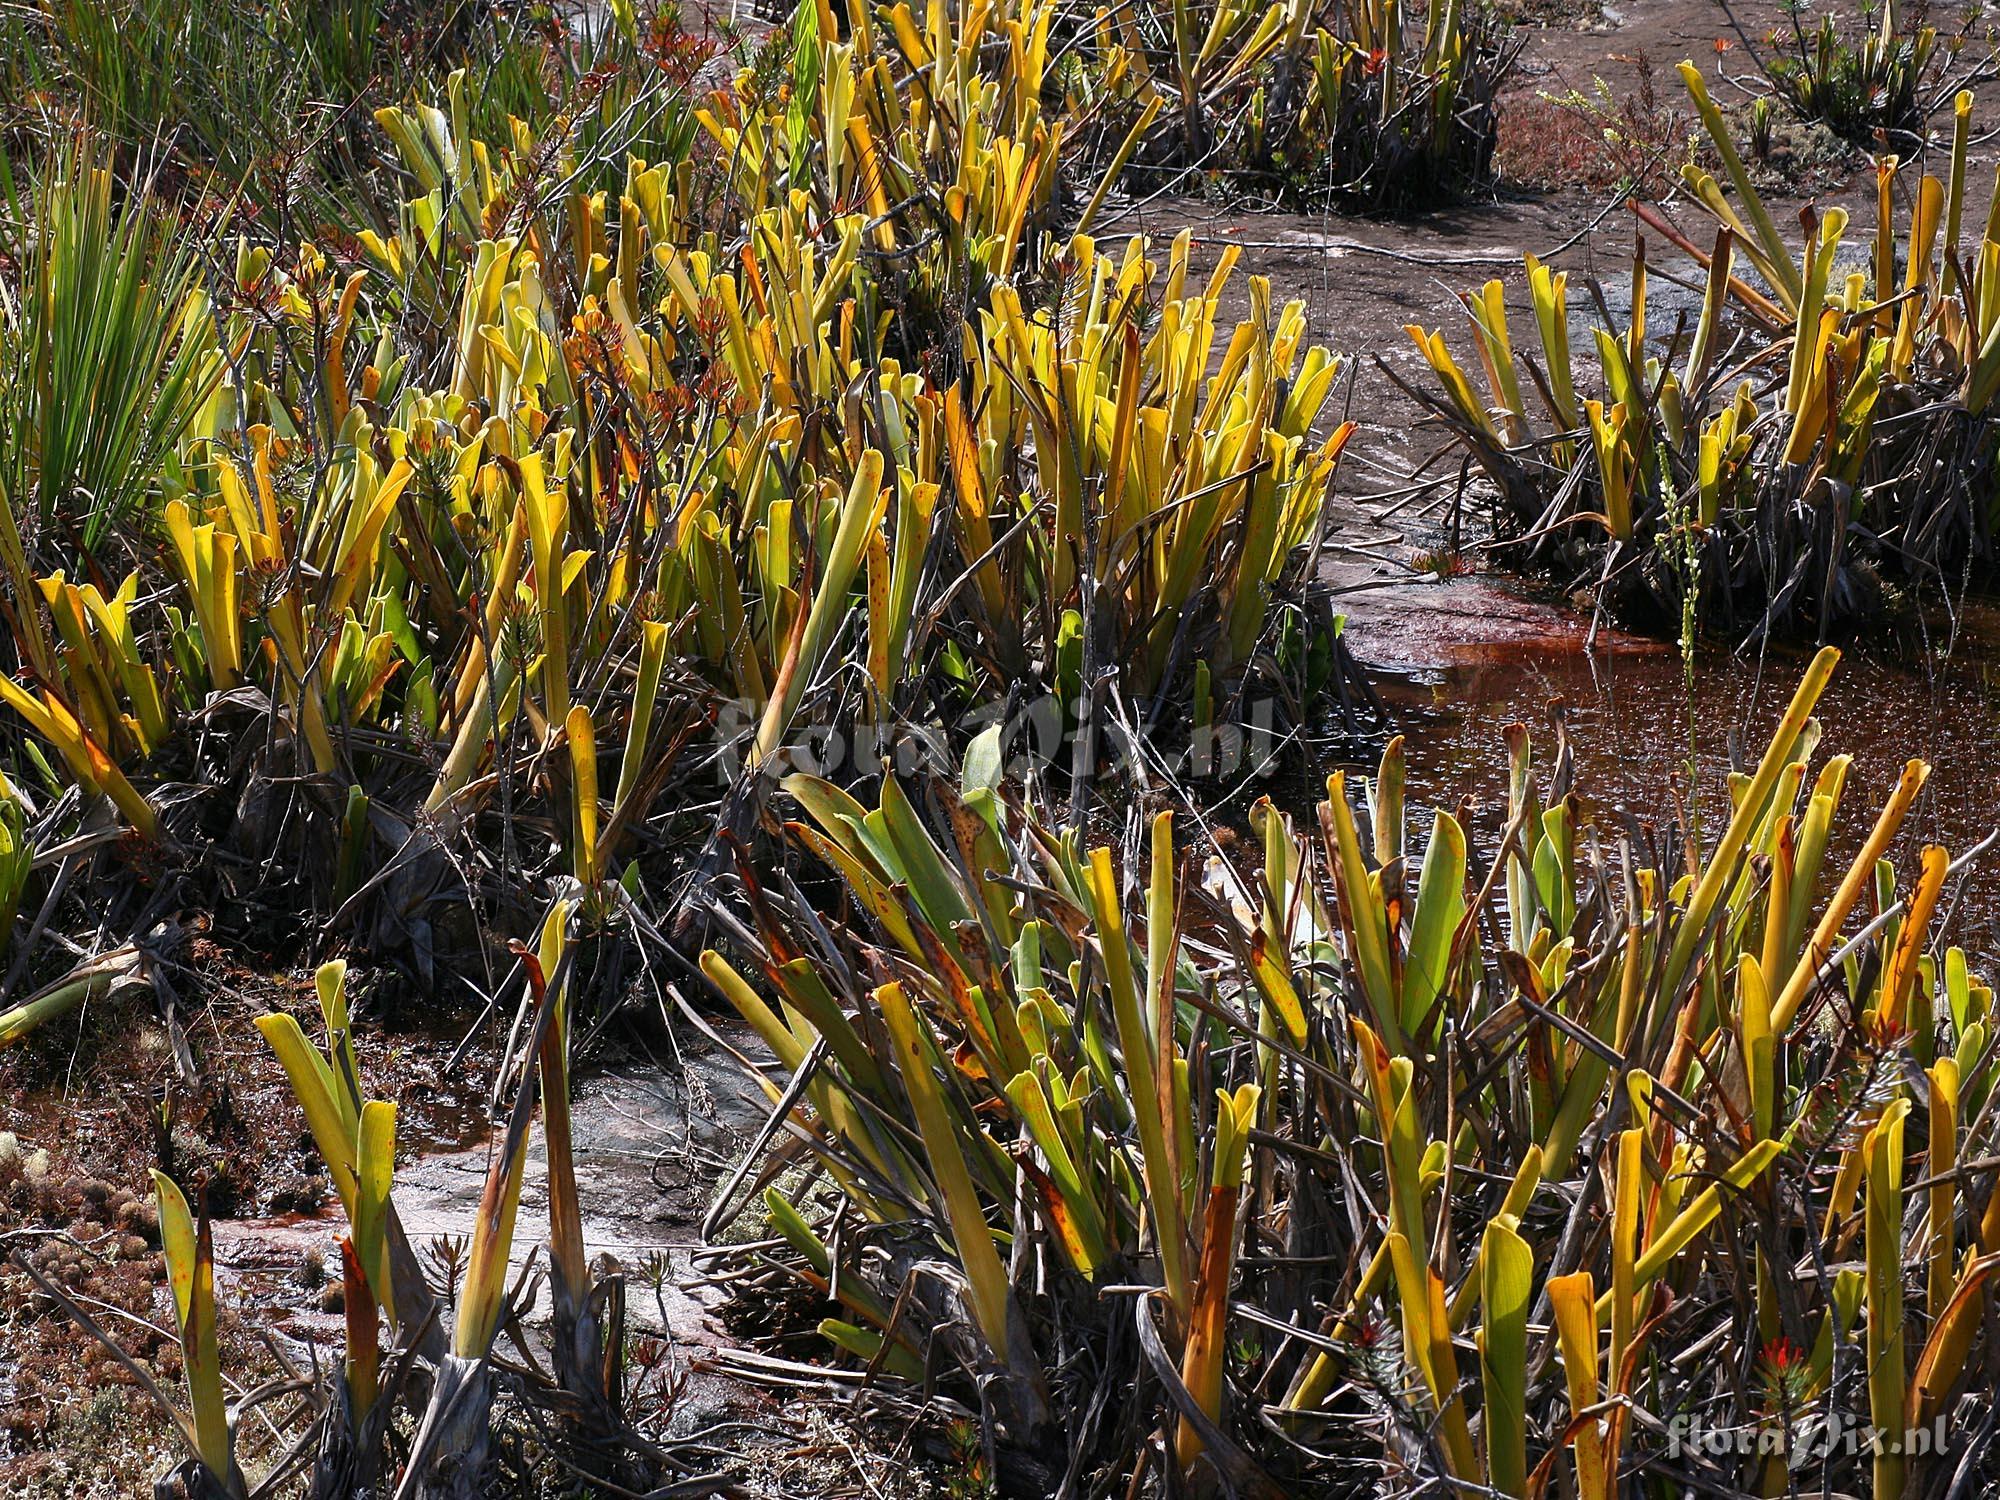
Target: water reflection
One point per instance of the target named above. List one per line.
(1640, 721)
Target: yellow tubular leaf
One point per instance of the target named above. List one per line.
(645, 700)
(1668, 1242)
(1573, 1300)
(1142, 1082)
(191, 1270)
(1506, 1275)
(773, 1032)
(1207, 1341)
(1367, 921)
(1951, 1336)
(376, 1150)
(315, 1087)
(1520, 1191)
(1882, 1150)
(1720, 871)
(1860, 874)
(486, 1267)
(582, 736)
(986, 1277)
(1901, 972)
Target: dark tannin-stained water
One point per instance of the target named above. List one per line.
(1459, 661)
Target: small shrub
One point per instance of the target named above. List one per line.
(1879, 89)
(1598, 140)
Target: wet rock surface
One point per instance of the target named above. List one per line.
(653, 1140)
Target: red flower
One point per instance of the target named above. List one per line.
(1782, 1357)
(1786, 1373)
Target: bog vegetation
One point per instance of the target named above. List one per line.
(1815, 443)
(462, 473)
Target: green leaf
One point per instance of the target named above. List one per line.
(1506, 1277)
(986, 1275)
(1368, 920)
(376, 1153)
(313, 1084)
(1440, 910)
(982, 762)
